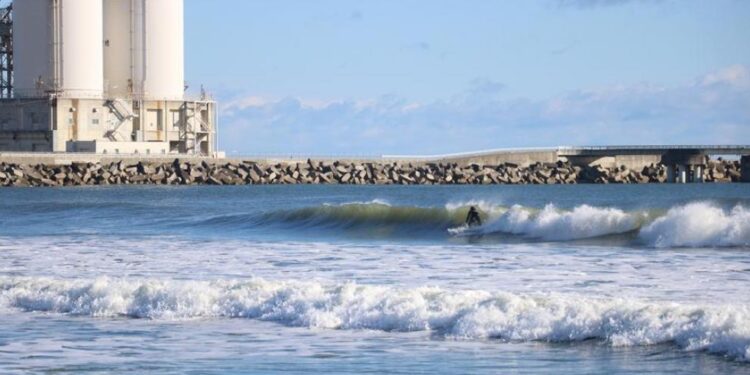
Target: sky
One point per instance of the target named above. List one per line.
(427, 77)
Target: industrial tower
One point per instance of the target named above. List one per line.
(99, 76)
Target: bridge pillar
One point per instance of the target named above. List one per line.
(698, 173)
(745, 168)
(684, 160)
(670, 174)
(681, 173)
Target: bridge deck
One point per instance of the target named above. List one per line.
(654, 150)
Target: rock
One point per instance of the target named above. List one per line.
(310, 172)
(254, 177)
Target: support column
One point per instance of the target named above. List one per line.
(681, 173)
(670, 174)
(745, 168)
(698, 174)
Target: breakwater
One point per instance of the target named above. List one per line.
(216, 172)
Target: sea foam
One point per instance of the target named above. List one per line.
(699, 224)
(467, 314)
(559, 225)
(696, 224)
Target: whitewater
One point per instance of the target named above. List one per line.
(559, 279)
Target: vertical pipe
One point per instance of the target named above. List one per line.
(144, 48)
(138, 47)
(60, 81)
(53, 127)
(142, 121)
(56, 48)
(133, 83)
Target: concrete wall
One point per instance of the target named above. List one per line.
(521, 158)
(87, 120)
(117, 148)
(36, 141)
(635, 162)
(25, 115)
(51, 125)
(29, 158)
(25, 125)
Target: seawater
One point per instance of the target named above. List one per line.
(352, 279)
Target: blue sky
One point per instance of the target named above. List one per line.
(362, 77)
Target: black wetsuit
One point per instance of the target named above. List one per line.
(473, 219)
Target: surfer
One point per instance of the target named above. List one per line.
(473, 219)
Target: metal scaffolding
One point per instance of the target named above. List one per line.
(195, 128)
(6, 52)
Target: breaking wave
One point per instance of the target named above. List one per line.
(558, 225)
(466, 314)
(696, 224)
(375, 217)
(373, 213)
(700, 224)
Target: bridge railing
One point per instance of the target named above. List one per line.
(656, 147)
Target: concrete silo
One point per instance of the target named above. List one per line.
(144, 52)
(118, 48)
(64, 58)
(164, 74)
(112, 76)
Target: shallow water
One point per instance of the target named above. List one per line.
(560, 279)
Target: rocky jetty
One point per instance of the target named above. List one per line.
(322, 172)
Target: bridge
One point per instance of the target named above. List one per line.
(685, 163)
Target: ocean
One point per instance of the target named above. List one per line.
(587, 279)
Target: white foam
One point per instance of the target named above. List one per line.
(699, 224)
(461, 314)
(378, 202)
(553, 224)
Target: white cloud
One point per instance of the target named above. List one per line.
(711, 109)
(735, 75)
(239, 104)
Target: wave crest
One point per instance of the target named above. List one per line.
(462, 314)
(700, 224)
(368, 214)
(559, 225)
(696, 224)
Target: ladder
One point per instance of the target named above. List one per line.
(123, 112)
(194, 126)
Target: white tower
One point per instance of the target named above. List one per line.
(144, 51)
(63, 58)
(113, 79)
